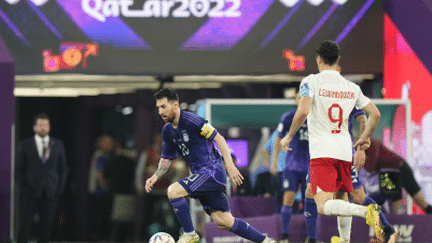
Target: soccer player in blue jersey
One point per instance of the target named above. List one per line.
(192, 137)
(296, 166)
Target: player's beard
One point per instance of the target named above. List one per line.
(171, 117)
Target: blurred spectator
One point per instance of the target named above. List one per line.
(385, 174)
(147, 203)
(119, 173)
(278, 178)
(147, 165)
(101, 199)
(263, 186)
(245, 188)
(260, 157)
(40, 175)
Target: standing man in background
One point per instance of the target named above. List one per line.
(100, 196)
(40, 175)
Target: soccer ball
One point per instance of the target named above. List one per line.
(161, 237)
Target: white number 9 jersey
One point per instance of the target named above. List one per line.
(333, 97)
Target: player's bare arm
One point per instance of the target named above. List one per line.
(233, 173)
(163, 167)
(371, 124)
(276, 150)
(360, 155)
(299, 118)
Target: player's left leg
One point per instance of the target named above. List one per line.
(226, 221)
(213, 198)
(344, 222)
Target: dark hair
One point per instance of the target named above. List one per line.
(40, 116)
(329, 51)
(168, 93)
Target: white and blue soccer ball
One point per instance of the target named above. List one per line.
(161, 237)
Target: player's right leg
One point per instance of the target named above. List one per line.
(290, 184)
(286, 211)
(335, 175)
(336, 207)
(176, 196)
(311, 214)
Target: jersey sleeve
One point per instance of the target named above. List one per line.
(200, 126)
(168, 147)
(285, 124)
(306, 87)
(362, 100)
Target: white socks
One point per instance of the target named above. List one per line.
(344, 228)
(190, 233)
(337, 207)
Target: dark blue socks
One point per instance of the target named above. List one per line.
(181, 209)
(311, 216)
(285, 218)
(243, 229)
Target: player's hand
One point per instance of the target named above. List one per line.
(150, 182)
(274, 169)
(285, 143)
(362, 143)
(235, 176)
(359, 159)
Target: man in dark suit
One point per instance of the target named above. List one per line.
(41, 172)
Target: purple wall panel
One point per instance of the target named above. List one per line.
(7, 113)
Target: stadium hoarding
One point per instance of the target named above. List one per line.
(189, 37)
(412, 228)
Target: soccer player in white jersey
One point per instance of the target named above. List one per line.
(327, 100)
